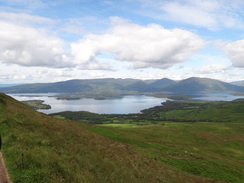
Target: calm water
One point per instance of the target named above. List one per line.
(124, 105)
(216, 97)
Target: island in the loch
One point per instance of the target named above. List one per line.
(36, 104)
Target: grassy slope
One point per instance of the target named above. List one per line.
(39, 148)
(213, 150)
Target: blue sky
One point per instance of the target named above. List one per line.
(48, 41)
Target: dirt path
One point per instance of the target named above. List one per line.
(3, 172)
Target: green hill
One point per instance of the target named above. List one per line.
(39, 148)
(197, 137)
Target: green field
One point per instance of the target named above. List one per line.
(213, 150)
(198, 137)
(151, 147)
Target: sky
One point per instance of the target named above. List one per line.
(48, 41)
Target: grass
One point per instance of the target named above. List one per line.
(39, 148)
(59, 117)
(206, 140)
(120, 125)
(213, 150)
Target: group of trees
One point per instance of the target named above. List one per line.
(175, 111)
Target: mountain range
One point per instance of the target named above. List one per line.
(123, 86)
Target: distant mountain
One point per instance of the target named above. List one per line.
(202, 85)
(59, 87)
(162, 83)
(138, 86)
(149, 81)
(122, 86)
(238, 83)
(72, 86)
(8, 85)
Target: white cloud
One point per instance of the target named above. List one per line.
(30, 47)
(145, 46)
(26, 45)
(189, 14)
(214, 68)
(211, 14)
(23, 18)
(200, 13)
(81, 26)
(20, 74)
(235, 52)
(94, 65)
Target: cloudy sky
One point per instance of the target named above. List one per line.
(48, 41)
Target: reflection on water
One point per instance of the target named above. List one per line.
(124, 105)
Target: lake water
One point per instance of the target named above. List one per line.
(123, 105)
(215, 97)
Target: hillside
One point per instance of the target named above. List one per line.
(162, 83)
(71, 86)
(202, 85)
(38, 148)
(138, 86)
(238, 83)
(203, 138)
(110, 86)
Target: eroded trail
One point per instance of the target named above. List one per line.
(3, 172)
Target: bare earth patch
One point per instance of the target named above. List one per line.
(3, 172)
